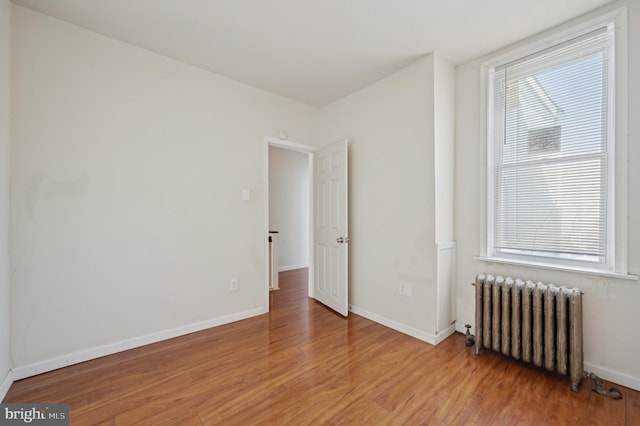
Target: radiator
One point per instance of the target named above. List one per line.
(533, 322)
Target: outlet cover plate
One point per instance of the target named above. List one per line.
(405, 288)
(233, 284)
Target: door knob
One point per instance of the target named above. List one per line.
(341, 240)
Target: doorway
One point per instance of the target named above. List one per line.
(289, 201)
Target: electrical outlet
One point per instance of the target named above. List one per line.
(233, 284)
(405, 288)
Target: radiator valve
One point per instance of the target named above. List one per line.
(597, 381)
(470, 339)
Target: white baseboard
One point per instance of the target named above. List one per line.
(402, 328)
(292, 267)
(100, 351)
(6, 384)
(445, 333)
(613, 375)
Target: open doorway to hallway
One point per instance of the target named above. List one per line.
(289, 206)
(288, 211)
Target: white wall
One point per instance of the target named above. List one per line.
(390, 127)
(5, 37)
(126, 210)
(289, 206)
(611, 313)
(444, 148)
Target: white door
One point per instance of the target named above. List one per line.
(331, 236)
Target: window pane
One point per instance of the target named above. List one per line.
(556, 112)
(557, 208)
(550, 115)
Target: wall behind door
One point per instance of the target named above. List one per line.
(289, 206)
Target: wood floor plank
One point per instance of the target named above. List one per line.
(632, 408)
(412, 380)
(182, 406)
(361, 412)
(430, 398)
(303, 364)
(613, 410)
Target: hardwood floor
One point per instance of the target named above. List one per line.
(303, 364)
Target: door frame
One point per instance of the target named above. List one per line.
(304, 149)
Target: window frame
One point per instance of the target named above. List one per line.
(617, 147)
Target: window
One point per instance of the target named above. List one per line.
(551, 144)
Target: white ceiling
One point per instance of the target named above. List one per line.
(315, 51)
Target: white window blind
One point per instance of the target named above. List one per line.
(550, 137)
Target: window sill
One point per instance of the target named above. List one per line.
(564, 268)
